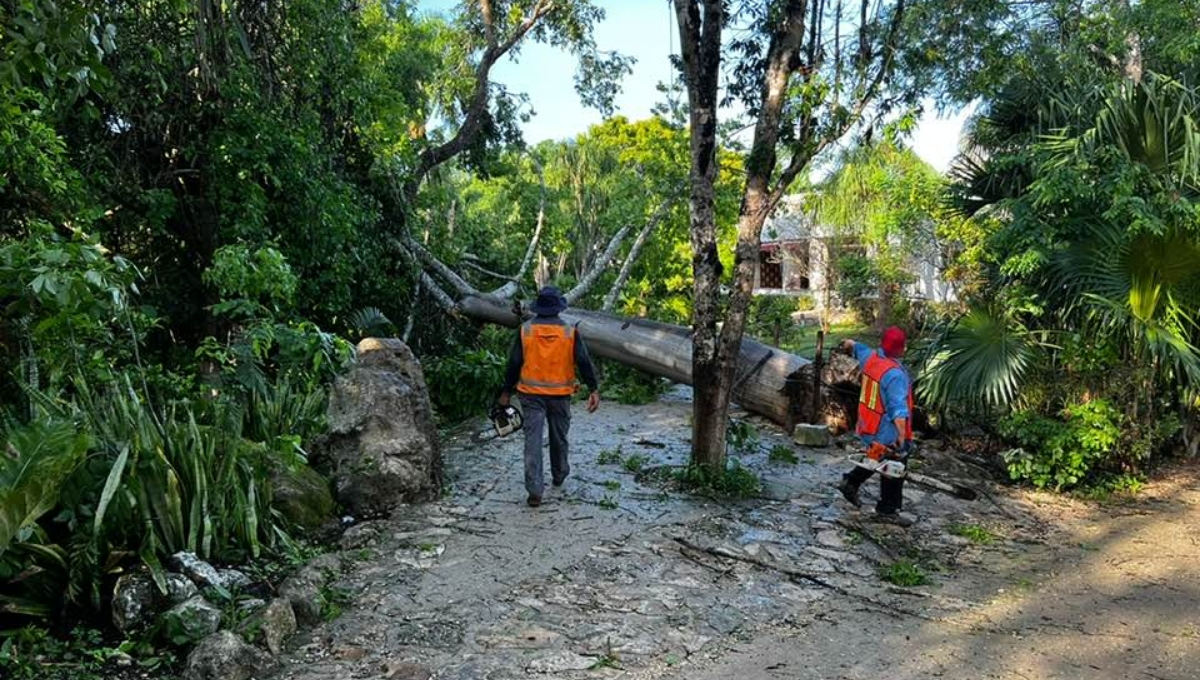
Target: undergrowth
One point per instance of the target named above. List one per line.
(735, 481)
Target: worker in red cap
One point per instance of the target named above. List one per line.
(885, 407)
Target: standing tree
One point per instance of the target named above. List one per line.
(807, 72)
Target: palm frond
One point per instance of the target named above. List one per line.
(979, 362)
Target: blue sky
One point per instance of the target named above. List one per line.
(643, 29)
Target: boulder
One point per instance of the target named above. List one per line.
(233, 580)
(226, 656)
(382, 448)
(180, 589)
(133, 601)
(200, 572)
(275, 624)
(192, 620)
(301, 495)
(304, 588)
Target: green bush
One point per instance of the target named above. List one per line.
(628, 385)
(735, 481)
(906, 574)
(464, 385)
(741, 436)
(1061, 453)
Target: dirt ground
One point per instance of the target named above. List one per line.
(620, 576)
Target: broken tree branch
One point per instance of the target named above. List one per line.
(610, 298)
(459, 284)
(592, 275)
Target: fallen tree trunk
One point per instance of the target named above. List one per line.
(768, 380)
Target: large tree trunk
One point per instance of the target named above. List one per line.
(700, 45)
(766, 379)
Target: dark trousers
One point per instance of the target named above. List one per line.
(540, 411)
(891, 490)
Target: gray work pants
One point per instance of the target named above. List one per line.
(539, 410)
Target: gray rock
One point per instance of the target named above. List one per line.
(225, 656)
(200, 572)
(302, 496)
(303, 589)
(382, 449)
(362, 535)
(815, 436)
(234, 580)
(192, 620)
(560, 662)
(252, 605)
(133, 601)
(406, 671)
(180, 589)
(276, 623)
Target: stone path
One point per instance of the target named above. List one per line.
(615, 576)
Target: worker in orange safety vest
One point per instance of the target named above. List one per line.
(541, 369)
(884, 417)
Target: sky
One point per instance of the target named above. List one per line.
(643, 29)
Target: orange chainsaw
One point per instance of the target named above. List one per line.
(889, 462)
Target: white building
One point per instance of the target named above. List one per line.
(796, 252)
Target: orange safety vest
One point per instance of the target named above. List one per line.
(549, 366)
(871, 406)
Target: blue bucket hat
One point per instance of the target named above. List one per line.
(550, 302)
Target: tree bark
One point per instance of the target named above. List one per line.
(700, 44)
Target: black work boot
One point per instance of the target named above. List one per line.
(899, 519)
(849, 491)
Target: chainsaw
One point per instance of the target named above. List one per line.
(505, 419)
(882, 459)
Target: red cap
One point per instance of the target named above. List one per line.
(893, 342)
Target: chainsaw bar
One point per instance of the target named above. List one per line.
(887, 467)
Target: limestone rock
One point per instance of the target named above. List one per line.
(276, 623)
(225, 656)
(406, 671)
(192, 620)
(301, 495)
(813, 436)
(382, 449)
(133, 601)
(200, 572)
(233, 580)
(180, 589)
(560, 662)
(303, 589)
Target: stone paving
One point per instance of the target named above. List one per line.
(616, 573)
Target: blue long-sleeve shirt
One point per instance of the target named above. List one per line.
(894, 386)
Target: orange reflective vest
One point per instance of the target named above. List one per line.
(549, 365)
(871, 405)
